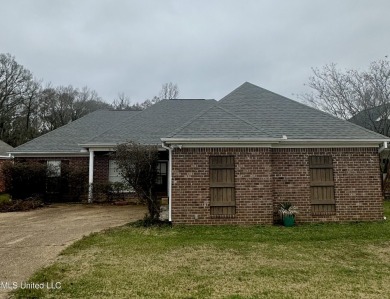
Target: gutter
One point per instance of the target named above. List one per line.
(273, 142)
(222, 140)
(48, 154)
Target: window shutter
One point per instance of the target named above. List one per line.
(321, 184)
(222, 188)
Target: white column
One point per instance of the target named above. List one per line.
(90, 178)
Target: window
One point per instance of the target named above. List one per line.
(161, 173)
(54, 168)
(113, 173)
(222, 187)
(322, 185)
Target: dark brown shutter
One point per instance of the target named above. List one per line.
(321, 184)
(222, 188)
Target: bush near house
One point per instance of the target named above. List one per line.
(4, 197)
(22, 180)
(26, 180)
(21, 205)
(75, 180)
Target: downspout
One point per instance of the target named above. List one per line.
(90, 176)
(383, 147)
(169, 181)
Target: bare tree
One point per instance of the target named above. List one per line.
(64, 104)
(18, 95)
(168, 91)
(137, 164)
(26, 121)
(360, 96)
(56, 106)
(87, 101)
(123, 102)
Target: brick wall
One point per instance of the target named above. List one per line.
(265, 177)
(190, 186)
(356, 172)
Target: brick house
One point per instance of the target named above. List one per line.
(4, 156)
(235, 160)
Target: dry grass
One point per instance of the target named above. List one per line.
(308, 261)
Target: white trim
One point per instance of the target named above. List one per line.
(273, 142)
(220, 140)
(108, 144)
(106, 147)
(102, 149)
(48, 154)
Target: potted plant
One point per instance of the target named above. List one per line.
(287, 212)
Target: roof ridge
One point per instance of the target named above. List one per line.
(187, 123)
(245, 83)
(191, 121)
(246, 121)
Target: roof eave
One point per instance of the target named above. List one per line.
(272, 142)
(49, 154)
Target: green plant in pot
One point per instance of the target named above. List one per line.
(287, 212)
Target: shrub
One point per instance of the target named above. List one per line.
(4, 197)
(23, 179)
(27, 204)
(75, 180)
(101, 191)
(109, 192)
(148, 221)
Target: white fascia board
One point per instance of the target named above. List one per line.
(329, 143)
(274, 142)
(47, 154)
(221, 142)
(99, 147)
(105, 147)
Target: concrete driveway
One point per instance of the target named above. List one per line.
(31, 240)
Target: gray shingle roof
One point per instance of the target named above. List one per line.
(217, 122)
(247, 112)
(4, 148)
(278, 115)
(68, 137)
(150, 125)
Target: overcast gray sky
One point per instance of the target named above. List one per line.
(207, 47)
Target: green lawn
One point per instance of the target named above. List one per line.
(306, 261)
